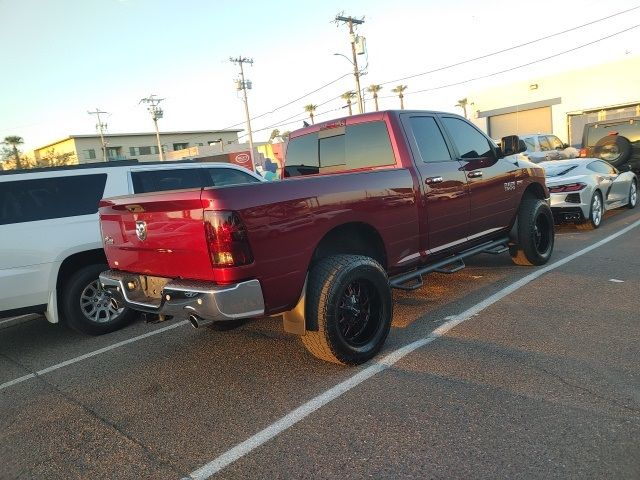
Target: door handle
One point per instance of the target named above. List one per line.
(434, 180)
(475, 174)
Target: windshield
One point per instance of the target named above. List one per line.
(558, 170)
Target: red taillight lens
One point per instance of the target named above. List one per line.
(227, 239)
(571, 187)
(583, 153)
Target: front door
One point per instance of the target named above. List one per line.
(492, 180)
(445, 199)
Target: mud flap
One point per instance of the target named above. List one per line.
(293, 321)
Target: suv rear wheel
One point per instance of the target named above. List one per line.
(85, 306)
(350, 297)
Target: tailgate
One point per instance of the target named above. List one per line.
(160, 234)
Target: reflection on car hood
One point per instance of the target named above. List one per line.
(567, 179)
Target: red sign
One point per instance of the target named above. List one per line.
(241, 158)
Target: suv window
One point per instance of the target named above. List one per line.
(169, 179)
(629, 129)
(431, 143)
(54, 197)
(343, 148)
(555, 142)
(530, 143)
(219, 177)
(469, 141)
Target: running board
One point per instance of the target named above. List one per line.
(451, 264)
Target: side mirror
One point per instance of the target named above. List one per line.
(512, 145)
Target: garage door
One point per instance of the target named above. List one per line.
(536, 120)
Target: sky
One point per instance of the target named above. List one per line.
(63, 58)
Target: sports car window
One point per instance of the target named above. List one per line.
(54, 197)
(168, 179)
(600, 167)
(469, 141)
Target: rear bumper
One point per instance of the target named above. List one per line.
(182, 298)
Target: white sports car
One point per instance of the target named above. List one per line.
(582, 189)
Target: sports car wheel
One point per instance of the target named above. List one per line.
(595, 213)
(633, 195)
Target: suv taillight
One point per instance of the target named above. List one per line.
(227, 239)
(583, 153)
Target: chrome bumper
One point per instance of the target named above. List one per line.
(182, 298)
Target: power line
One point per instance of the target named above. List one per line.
(446, 67)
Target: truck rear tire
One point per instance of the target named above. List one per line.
(350, 298)
(86, 308)
(535, 233)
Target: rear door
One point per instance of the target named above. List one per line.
(491, 179)
(443, 182)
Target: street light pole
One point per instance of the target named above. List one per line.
(356, 73)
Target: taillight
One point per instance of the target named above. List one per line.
(583, 153)
(570, 187)
(227, 239)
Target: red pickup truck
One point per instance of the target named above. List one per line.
(367, 203)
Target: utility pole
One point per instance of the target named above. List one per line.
(353, 37)
(101, 127)
(156, 113)
(245, 85)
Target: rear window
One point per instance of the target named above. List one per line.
(343, 148)
(629, 129)
(47, 198)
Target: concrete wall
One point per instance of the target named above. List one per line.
(592, 88)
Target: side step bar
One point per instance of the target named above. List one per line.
(451, 264)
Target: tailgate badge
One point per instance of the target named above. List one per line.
(141, 230)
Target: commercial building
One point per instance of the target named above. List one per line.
(560, 104)
(135, 146)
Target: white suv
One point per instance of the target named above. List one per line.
(50, 246)
(545, 147)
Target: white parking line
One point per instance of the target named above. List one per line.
(13, 319)
(286, 422)
(71, 361)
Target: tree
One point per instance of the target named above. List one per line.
(13, 141)
(348, 96)
(285, 135)
(310, 109)
(462, 103)
(399, 89)
(275, 133)
(374, 89)
(53, 159)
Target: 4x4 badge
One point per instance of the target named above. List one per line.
(141, 230)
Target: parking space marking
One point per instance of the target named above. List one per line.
(94, 353)
(237, 452)
(12, 319)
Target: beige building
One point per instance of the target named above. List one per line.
(560, 104)
(136, 146)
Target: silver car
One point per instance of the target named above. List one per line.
(582, 189)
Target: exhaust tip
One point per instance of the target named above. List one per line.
(194, 320)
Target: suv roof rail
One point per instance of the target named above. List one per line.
(82, 166)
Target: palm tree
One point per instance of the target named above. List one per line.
(285, 135)
(13, 141)
(348, 96)
(374, 89)
(310, 109)
(399, 89)
(275, 133)
(462, 103)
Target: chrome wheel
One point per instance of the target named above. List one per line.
(596, 209)
(633, 195)
(95, 304)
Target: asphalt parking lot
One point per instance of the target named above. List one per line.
(496, 371)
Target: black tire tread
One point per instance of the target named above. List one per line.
(521, 254)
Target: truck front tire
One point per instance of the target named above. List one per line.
(535, 233)
(350, 299)
(86, 308)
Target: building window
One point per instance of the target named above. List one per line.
(201, 144)
(135, 151)
(180, 146)
(89, 154)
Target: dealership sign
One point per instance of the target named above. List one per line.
(241, 158)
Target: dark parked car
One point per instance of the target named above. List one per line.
(615, 141)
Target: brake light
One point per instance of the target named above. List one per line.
(583, 153)
(227, 239)
(570, 187)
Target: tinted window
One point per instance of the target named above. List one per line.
(544, 144)
(45, 198)
(302, 156)
(219, 177)
(161, 180)
(629, 129)
(356, 146)
(469, 141)
(429, 139)
(530, 143)
(601, 167)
